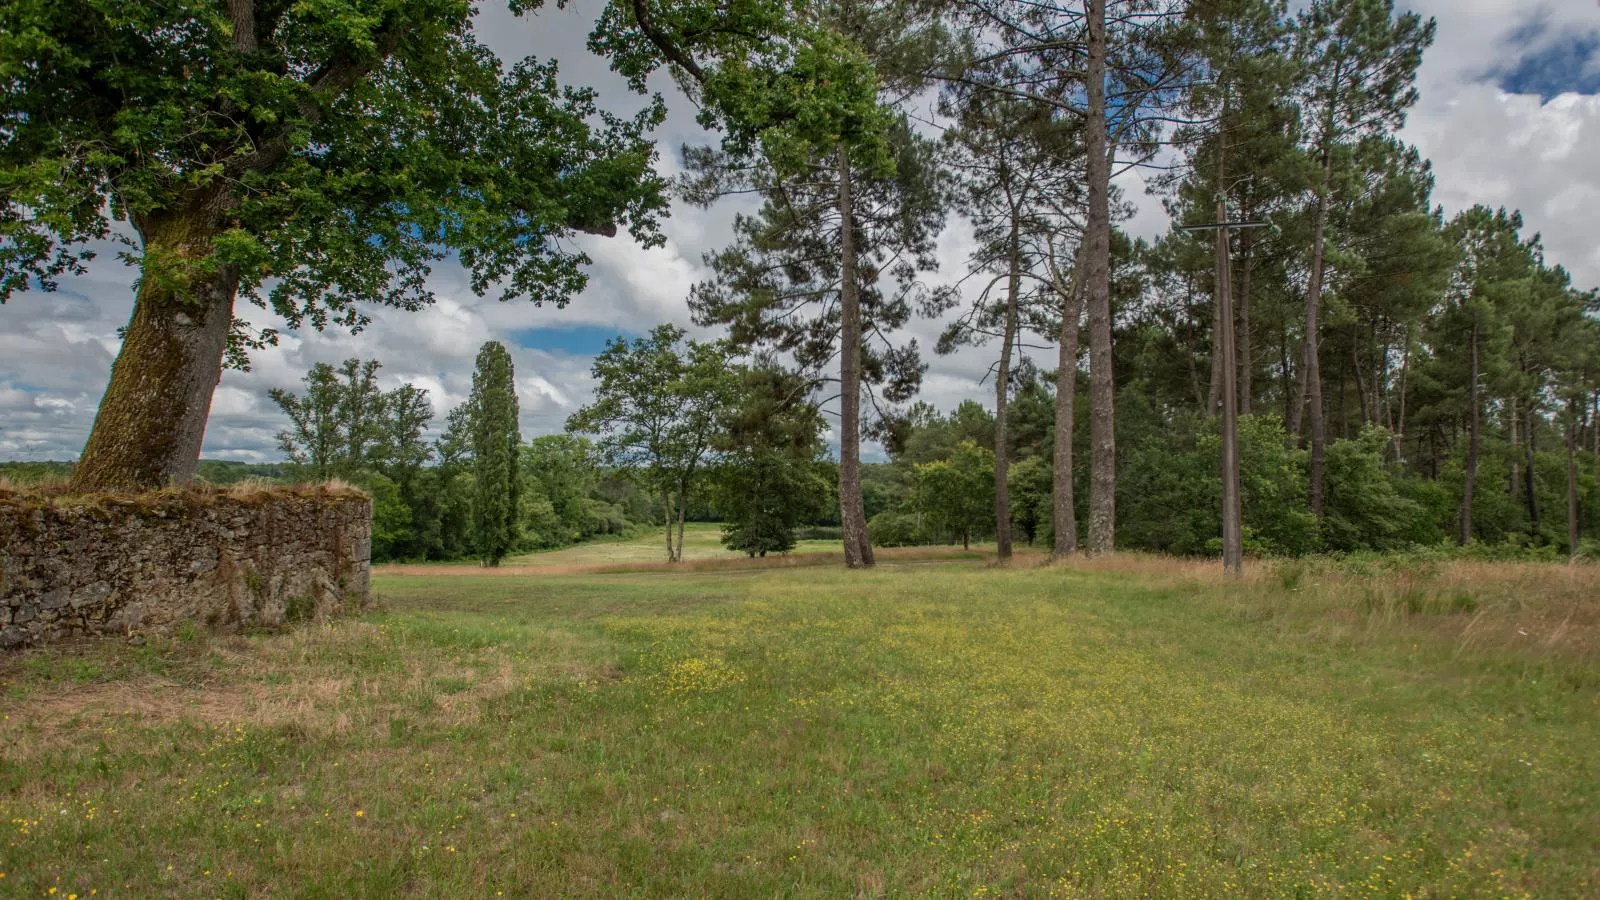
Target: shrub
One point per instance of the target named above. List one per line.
(897, 529)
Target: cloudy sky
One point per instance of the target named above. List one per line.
(1510, 115)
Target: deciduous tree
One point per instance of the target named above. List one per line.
(309, 156)
(658, 410)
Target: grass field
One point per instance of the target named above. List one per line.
(1117, 728)
(701, 540)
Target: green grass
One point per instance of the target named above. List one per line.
(937, 730)
(701, 540)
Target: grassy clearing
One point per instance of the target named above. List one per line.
(1129, 727)
(701, 540)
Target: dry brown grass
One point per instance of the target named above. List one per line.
(1540, 609)
(297, 680)
(887, 556)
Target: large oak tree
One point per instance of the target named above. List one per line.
(309, 156)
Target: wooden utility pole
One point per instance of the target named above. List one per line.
(1232, 526)
(1232, 515)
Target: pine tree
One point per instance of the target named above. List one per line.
(829, 268)
(1015, 161)
(1358, 64)
(1113, 72)
(801, 94)
(769, 481)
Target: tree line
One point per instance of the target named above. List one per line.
(682, 431)
(254, 152)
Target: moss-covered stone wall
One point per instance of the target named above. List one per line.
(223, 559)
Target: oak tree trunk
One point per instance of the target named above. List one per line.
(666, 517)
(683, 505)
(1097, 287)
(852, 507)
(152, 419)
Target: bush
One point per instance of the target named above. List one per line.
(1362, 508)
(897, 529)
(1169, 491)
(391, 517)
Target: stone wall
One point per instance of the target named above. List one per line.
(223, 559)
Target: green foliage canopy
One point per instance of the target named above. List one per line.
(347, 141)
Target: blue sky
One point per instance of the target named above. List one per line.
(1560, 62)
(575, 340)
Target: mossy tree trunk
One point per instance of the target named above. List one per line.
(152, 420)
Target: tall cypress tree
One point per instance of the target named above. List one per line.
(492, 420)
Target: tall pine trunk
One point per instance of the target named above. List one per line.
(1572, 478)
(152, 420)
(1063, 500)
(852, 507)
(1285, 382)
(1214, 394)
(1532, 495)
(1311, 381)
(1002, 390)
(1097, 285)
(1464, 534)
(1400, 423)
(1516, 448)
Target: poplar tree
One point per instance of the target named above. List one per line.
(494, 438)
